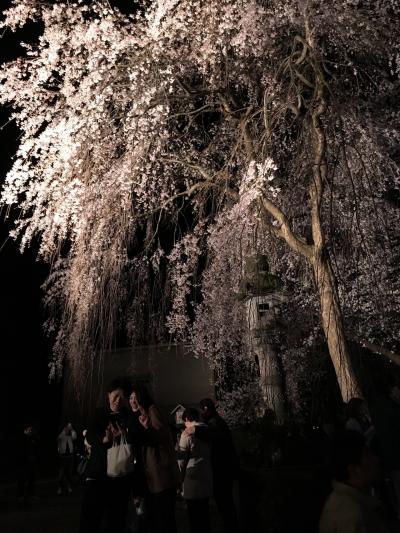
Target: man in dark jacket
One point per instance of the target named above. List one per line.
(224, 464)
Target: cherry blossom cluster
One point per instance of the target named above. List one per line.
(149, 142)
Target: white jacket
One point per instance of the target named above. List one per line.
(66, 442)
(195, 466)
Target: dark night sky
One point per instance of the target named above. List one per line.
(24, 351)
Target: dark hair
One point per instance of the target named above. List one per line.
(143, 396)
(119, 383)
(207, 405)
(191, 414)
(353, 407)
(347, 449)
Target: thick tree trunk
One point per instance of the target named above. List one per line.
(315, 252)
(332, 324)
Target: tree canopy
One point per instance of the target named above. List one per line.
(162, 147)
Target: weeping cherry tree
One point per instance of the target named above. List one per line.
(161, 147)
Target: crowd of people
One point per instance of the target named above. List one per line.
(134, 455)
(135, 464)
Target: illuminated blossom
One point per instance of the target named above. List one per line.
(159, 149)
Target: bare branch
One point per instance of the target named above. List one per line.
(284, 230)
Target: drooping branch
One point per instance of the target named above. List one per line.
(183, 106)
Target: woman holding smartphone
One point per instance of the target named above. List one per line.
(105, 499)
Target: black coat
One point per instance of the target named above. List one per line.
(224, 459)
(97, 464)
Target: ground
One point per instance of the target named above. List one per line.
(50, 513)
(47, 513)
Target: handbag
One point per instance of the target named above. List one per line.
(120, 458)
(81, 468)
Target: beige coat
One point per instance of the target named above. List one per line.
(347, 510)
(160, 462)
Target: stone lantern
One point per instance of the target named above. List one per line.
(263, 296)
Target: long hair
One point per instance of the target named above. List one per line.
(143, 396)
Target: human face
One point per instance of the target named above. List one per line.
(116, 400)
(205, 414)
(395, 393)
(133, 402)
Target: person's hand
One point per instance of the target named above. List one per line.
(115, 430)
(112, 432)
(108, 435)
(144, 420)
